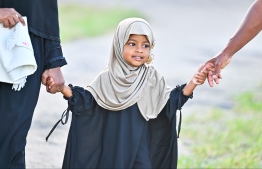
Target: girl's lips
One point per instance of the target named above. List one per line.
(138, 57)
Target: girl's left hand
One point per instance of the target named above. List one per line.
(200, 76)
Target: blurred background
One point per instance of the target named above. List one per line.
(221, 126)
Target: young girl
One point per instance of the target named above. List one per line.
(126, 117)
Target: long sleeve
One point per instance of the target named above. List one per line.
(176, 101)
(53, 56)
(81, 101)
(78, 104)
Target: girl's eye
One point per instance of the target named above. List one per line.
(132, 44)
(146, 46)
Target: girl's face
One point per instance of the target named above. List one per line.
(136, 50)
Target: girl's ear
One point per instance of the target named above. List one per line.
(150, 58)
(153, 45)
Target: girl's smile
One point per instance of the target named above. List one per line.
(138, 57)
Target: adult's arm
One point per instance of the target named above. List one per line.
(249, 28)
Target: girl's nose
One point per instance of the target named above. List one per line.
(139, 50)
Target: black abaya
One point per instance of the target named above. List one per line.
(100, 138)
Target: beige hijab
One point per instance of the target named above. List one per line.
(120, 85)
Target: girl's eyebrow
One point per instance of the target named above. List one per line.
(136, 40)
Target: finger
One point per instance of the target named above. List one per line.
(12, 22)
(51, 90)
(55, 88)
(209, 68)
(198, 82)
(50, 84)
(201, 66)
(6, 23)
(49, 80)
(195, 81)
(47, 89)
(210, 78)
(217, 70)
(201, 80)
(20, 18)
(206, 64)
(216, 79)
(203, 73)
(200, 77)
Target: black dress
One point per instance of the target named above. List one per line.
(100, 138)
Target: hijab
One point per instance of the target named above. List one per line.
(42, 16)
(120, 85)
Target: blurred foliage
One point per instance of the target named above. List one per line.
(250, 101)
(225, 138)
(78, 21)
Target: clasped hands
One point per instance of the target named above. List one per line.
(57, 76)
(207, 71)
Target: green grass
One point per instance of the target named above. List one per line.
(250, 101)
(78, 21)
(226, 139)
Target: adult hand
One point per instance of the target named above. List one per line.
(57, 77)
(10, 17)
(219, 62)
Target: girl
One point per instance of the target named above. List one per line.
(126, 117)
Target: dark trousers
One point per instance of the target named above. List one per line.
(16, 112)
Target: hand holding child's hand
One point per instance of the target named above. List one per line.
(50, 83)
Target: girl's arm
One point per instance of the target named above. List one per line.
(67, 92)
(189, 88)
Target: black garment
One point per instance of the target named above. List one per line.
(17, 107)
(100, 138)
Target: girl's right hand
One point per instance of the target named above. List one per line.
(10, 17)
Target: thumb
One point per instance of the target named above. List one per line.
(200, 68)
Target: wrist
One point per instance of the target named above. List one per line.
(226, 53)
(192, 83)
(67, 91)
(62, 89)
(189, 88)
(232, 47)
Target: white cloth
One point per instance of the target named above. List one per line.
(17, 59)
(120, 85)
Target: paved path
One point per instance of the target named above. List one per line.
(187, 33)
